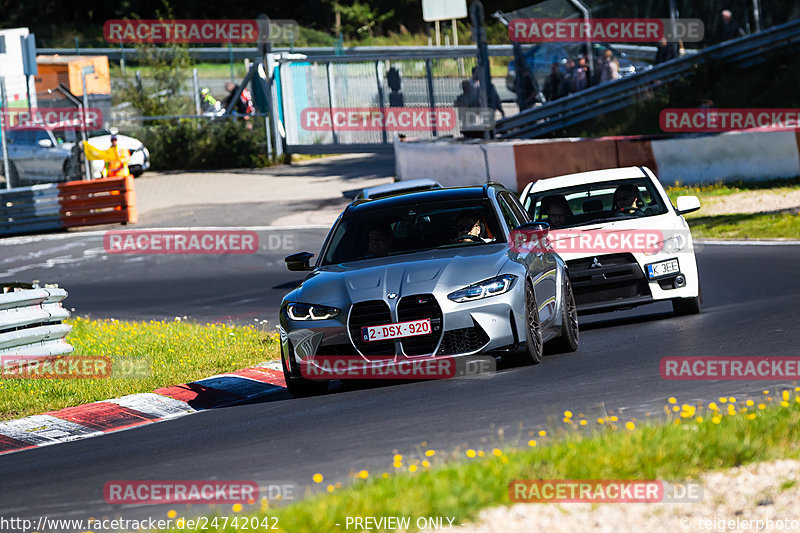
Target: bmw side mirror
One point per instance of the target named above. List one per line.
(687, 204)
(540, 228)
(299, 261)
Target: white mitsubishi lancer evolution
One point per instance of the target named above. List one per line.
(624, 242)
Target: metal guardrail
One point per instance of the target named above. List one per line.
(608, 97)
(66, 205)
(31, 323)
(369, 52)
(365, 53)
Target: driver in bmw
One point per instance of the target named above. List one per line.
(470, 227)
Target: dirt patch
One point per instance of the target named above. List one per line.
(733, 500)
(751, 202)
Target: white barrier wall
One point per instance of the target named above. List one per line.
(728, 157)
(751, 155)
(454, 163)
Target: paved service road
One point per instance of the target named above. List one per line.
(751, 296)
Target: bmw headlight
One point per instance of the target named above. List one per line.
(311, 312)
(484, 289)
(668, 246)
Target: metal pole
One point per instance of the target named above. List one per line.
(429, 75)
(379, 78)
(86, 167)
(121, 57)
(230, 58)
(757, 14)
(438, 34)
(6, 166)
(589, 52)
(28, 92)
(455, 32)
(196, 90)
(479, 36)
(331, 95)
(77, 47)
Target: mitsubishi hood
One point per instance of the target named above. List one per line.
(428, 272)
(665, 226)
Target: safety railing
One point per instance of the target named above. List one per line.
(31, 323)
(66, 205)
(615, 95)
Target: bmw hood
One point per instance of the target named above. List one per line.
(438, 271)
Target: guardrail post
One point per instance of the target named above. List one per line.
(130, 200)
(431, 100)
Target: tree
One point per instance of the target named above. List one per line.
(361, 17)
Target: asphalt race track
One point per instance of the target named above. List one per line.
(751, 308)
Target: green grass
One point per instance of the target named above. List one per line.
(152, 354)
(747, 226)
(204, 70)
(692, 440)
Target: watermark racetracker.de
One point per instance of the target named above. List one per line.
(219, 31)
(52, 118)
(609, 30)
(356, 367)
(604, 491)
(730, 368)
(62, 367)
(717, 120)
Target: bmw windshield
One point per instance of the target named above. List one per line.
(412, 228)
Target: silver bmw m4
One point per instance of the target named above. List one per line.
(426, 275)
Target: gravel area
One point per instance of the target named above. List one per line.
(751, 202)
(733, 500)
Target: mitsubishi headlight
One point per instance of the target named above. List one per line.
(668, 246)
(484, 289)
(311, 312)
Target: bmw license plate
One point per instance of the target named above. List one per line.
(656, 270)
(396, 331)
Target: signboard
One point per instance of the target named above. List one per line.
(433, 10)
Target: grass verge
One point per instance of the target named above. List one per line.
(747, 226)
(692, 440)
(154, 354)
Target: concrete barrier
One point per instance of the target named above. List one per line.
(749, 155)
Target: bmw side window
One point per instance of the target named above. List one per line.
(508, 214)
(519, 212)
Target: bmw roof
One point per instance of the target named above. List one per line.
(433, 195)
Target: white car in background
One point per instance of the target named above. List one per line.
(140, 156)
(101, 139)
(606, 278)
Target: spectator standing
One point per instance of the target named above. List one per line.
(566, 82)
(609, 70)
(665, 51)
(579, 80)
(553, 85)
(244, 104)
(729, 29)
(494, 98)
